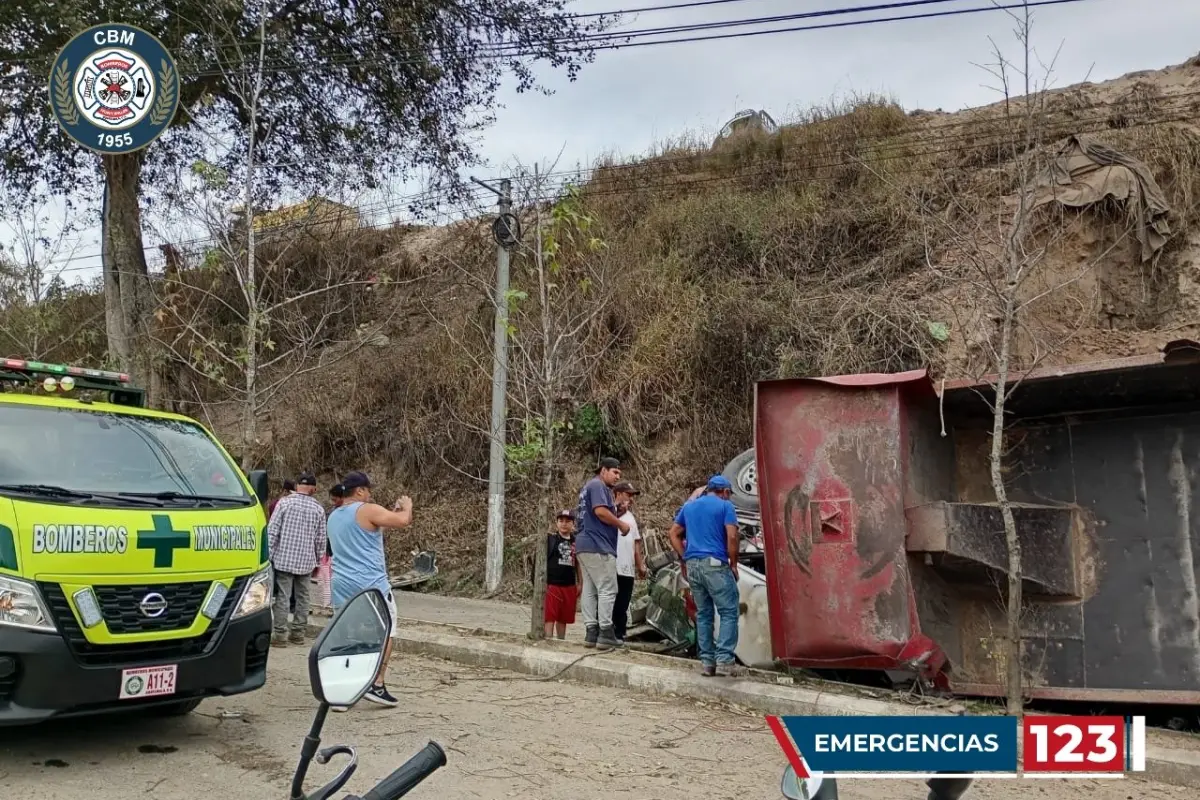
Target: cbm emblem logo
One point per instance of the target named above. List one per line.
(114, 88)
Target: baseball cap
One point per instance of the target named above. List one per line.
(625, 487)
(718, 483)
(307, 479)
(608, 463)
(566, 513)
(337, 491)
(356, 480)
(289, 485)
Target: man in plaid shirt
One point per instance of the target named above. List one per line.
(296, 534)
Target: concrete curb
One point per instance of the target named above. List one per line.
(1180, 767)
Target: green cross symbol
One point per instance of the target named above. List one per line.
(164, 540)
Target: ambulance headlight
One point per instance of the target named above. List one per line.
(257, 594)
(21, 606)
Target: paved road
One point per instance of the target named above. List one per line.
(506, 735)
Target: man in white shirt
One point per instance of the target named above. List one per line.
(630, 562)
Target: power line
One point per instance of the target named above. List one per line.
(595, 188)
(847, 24)
(505, 49)
(894, 140)
(595, 185)
(587, 47)
(734, 23)
(962, 142)
(979, 119)
(638, 37)
(646, 9)
(207, 242)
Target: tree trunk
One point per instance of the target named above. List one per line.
(126, 280)
(253, 313)
(537, 627)
(1013, 662)
(537, 621)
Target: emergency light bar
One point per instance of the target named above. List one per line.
(34, 367)
(66, 378)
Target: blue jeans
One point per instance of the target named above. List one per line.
(715, 590)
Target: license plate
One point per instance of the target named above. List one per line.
(148, 682)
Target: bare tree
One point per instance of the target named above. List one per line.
(286, 325)
(558, 340)
(32, 282)
(994, 301)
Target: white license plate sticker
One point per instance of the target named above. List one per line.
(148, 682)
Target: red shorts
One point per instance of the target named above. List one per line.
(560, 604)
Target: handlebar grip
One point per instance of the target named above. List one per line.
(410, 773)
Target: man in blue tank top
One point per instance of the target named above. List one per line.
(356, 536)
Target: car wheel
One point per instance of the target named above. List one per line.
(743, 474)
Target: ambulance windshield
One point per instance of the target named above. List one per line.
(87, 452)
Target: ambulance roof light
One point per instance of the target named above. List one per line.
(41, 368)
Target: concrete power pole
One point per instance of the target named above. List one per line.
(506, 231)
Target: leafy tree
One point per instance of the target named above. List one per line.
(354, 90)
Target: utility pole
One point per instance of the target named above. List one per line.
(506, 231)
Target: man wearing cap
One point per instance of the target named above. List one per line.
(596, 551)
(630, 565)
(710, 556)
(296, 536)
(289, 487)
(562, 575)
(356, 534)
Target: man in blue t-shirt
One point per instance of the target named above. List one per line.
(596, 552)
(710, 557)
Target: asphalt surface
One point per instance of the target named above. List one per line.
(506, 735)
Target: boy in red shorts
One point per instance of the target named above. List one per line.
(562, 576)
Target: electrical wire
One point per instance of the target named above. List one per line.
(595, 188)
(634, 38)
(628, 11)
(583, 44)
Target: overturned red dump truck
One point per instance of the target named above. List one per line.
(886, 550)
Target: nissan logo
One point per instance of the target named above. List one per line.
(153, 605)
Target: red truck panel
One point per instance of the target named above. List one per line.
(831, 487)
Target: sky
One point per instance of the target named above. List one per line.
(628, 100)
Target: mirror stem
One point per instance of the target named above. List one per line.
(309, 749)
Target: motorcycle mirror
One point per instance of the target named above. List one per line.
(814, 787)
(345, 658)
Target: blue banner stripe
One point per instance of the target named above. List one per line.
(906, 744)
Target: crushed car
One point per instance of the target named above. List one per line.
(667, 610)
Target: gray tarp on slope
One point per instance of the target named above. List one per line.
(1085, 171)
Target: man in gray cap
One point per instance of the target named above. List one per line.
(710, 556)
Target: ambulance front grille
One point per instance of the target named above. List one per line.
(133, 653)
(119, 605)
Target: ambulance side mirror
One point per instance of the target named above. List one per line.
(259, 483)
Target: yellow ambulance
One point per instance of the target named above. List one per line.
(133, 557)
